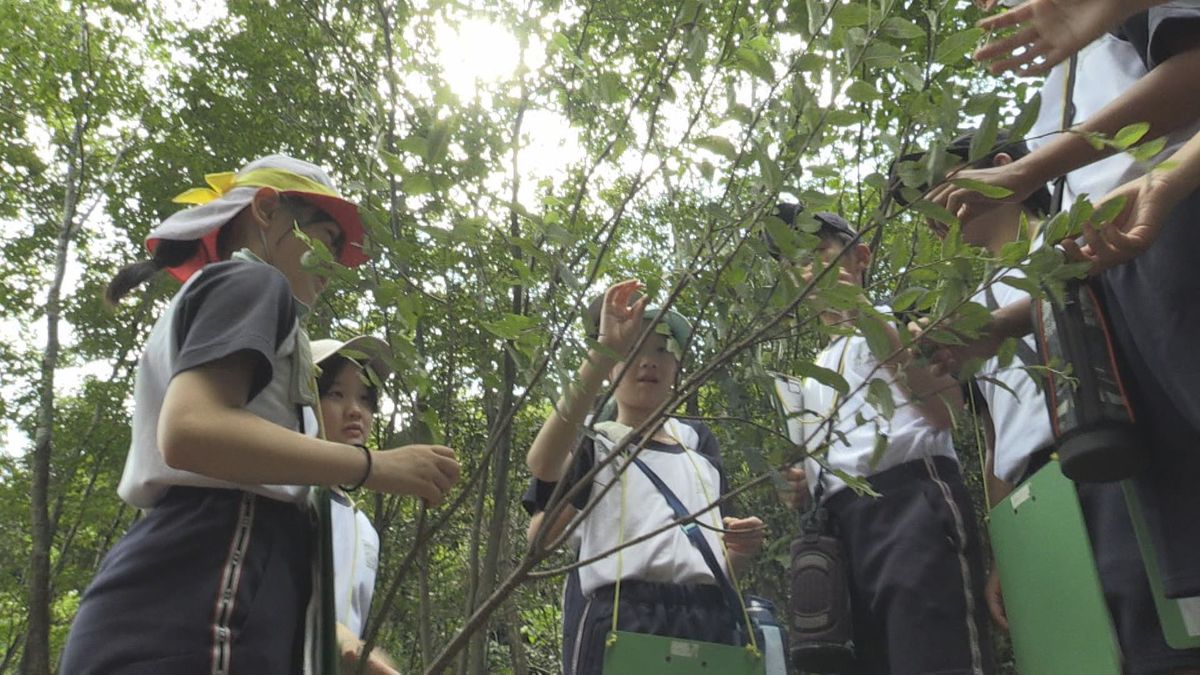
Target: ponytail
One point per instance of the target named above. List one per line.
(168, 253)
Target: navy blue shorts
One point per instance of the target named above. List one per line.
(916, 572)
(1153, 302)
(209, 581)
(669, 610)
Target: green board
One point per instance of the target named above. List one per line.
(633, 653)
(1180, 618)
(1056, 609)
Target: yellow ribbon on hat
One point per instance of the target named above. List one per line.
(279, 179)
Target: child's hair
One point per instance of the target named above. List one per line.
(332, 367)
(168, 253)
(174, 252)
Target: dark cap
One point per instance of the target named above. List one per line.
(831, 223)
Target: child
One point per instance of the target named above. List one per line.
(666, 587)
(912, 553)
(349, 401)
(216, 576)
(1019, 440)
(1146, 71)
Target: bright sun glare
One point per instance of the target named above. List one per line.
(476, 52)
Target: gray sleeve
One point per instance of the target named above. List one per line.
(234, 307)
(1163, 31)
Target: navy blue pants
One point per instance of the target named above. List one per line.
(1126, 587)
(669, 610)
(1153, 303)
(916, 572)
(209, 581)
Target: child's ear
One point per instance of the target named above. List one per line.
(862, 256)
(264, 206)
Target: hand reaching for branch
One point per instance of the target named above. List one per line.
(967, 204)
(1048, 32)
(621, 320)
(350, 647)
(425, 471)
(1148, 203)
(744, 536)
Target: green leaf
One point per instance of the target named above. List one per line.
(851, 14)
(1109, 210)
(861, 92)
(1022, 284)
(510, 326)
(1146, 151)
(1025, 119)
(825, 376)
(934, 211)
(753, 62)
(901, 28)
(1128, 135)
(416, 184)
(877, 334)
(955, 47)
(718, 145)
(881, 445)
(908, 297)
(986, 189)
(879, 395)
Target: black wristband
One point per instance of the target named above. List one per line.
(366, 474)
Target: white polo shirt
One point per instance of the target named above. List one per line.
(638, 508)
(355, 561)
(1021, 422)
(909, 436)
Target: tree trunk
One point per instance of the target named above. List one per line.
(36, 658)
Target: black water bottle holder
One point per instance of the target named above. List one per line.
(821, 627)
(1094, 425)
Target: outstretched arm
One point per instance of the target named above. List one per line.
(620, 325)
(1177, 79)
(1047, 32)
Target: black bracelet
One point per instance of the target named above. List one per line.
(366, 474)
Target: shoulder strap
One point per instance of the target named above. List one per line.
(1068, 118)
(696, 537)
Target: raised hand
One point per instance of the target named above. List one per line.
(1048, 32)
(1148, 203)
(621, 320)
(425, 471)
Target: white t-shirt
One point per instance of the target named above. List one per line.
(223, 309)
(1106, 69)
(1021, 422)
(670, 556)
(909, 435)
(355, 562)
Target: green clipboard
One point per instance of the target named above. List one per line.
(1057, 613)
(626, 653)
(1180, 618)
